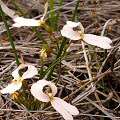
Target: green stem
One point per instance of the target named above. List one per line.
(62, 44)
(52, 15)
(10, 38)
(41, 69)
(5, 78)
(57, 15)
(75, 11)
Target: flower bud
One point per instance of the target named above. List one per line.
(110, 28)
(15, 96)
(46, 50)
(24, 84)
(43, 53)
(47, 28)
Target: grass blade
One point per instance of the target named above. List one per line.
(9, 35)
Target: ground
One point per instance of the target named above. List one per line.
(101, 18)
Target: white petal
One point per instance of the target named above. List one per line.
(30, 72)
(50, 84)
(65, 109)
(72, 24)
(17, 25)
(15, 73)
(81, 27)
(99, 41)
(68, 107)
(11, 88)
(37, 92)
(25, 22)
(70, 33)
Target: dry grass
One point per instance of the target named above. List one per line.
(74, 82)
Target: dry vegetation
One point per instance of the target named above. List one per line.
(73, 81)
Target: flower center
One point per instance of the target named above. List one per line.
(15, 81)
(50, 96)
(81, 34)
(40, 22)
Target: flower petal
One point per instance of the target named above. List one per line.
(30, 72)
(37, 92)
(17, 25)
(70, 33)
(72, 24)
(99, 41)
(11, 88)
(15, 73)
(25, 22)
(81, 27)
(65, 109)
(50, 84)
(70, 108)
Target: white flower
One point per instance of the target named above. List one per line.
(64, 108)
(100, 41)
(20, 21)
(43, 53)
(17, 81)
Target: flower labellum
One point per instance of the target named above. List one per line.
(100, 41)
(64, 108)
(17, 81)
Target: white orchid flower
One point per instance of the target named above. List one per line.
(100, 41)
(17, 81)
(20, 21)
(64, 108)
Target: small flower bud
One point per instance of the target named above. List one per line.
(15, 96)
(47, 28)
(110, 28)
(42, 53)
(24, 84)
(82, 3)
(46, 50)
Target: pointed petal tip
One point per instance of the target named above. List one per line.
(11, 88)
(72, 24)
(64, 108)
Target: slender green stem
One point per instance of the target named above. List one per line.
(41, 69)
(52, 41)
(10, 38)
(56, 62)
(5, 78)
(57, 15)
(52, 15)
(75, 11)
(56, 41)
(62, 44)
(36, 31)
